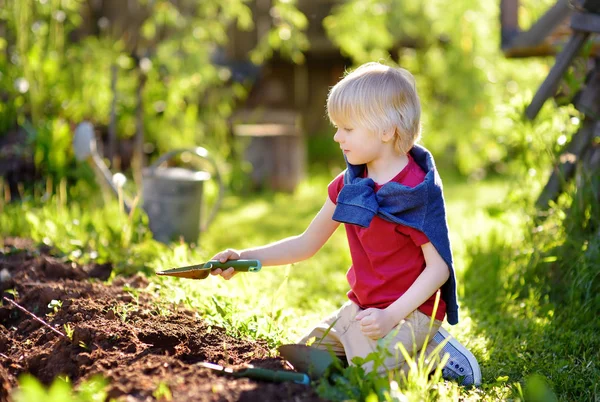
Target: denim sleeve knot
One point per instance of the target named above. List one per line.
(357, 203)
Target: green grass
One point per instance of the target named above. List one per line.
(534, 338)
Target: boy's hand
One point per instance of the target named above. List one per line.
(223, 256)
(375, 323)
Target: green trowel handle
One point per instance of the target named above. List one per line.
(274, 375)
(238, 265)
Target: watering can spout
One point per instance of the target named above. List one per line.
(84, 146)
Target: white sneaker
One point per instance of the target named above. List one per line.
(462, 366)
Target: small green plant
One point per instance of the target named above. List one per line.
(133, 292)
(68, 331)
(161, 309)
(55, 305)
(122, 310)
(12, 292)
(274, 316)
(163, 392)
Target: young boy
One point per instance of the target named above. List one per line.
(390, 200)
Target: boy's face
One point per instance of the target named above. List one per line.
(359, 145)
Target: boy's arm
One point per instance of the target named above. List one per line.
(288, 250)
(376, 323)
(435, 274)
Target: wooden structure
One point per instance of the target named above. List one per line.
(549, 34)
(583, 19)
(287, 101)
(275, 149)
(541, 39)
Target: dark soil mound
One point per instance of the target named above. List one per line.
(129, 337)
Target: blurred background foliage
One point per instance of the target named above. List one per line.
(472, 96)
(55, 71)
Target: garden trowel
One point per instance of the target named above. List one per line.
(308, 359)
(260, 373)
(201, 271)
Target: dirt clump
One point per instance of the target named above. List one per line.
(133, 340)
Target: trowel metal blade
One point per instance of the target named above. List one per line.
(197, 271)
(307, 359)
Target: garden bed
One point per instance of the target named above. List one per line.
(120, 331)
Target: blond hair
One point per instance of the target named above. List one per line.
(378, 98)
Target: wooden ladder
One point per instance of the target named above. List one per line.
(584, 147)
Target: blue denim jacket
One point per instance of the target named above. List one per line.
(421, 207)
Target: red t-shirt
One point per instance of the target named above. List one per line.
(386, 257)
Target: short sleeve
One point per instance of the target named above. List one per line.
(418, 237)
(335, 186)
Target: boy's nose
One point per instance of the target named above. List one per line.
(337, 137)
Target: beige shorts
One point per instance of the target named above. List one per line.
(346, 339)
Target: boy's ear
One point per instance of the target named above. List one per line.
(388, 134)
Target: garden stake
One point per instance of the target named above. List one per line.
(23, 309)
(201, 271)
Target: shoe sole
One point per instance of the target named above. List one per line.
(470, 357)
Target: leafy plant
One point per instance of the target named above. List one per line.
(122, 311)
(287, 35)
(30, 389)
(421, 382)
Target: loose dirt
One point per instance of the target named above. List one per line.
(130, 338)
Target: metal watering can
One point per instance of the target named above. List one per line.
(172, 197)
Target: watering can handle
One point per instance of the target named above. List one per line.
(202, 153)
